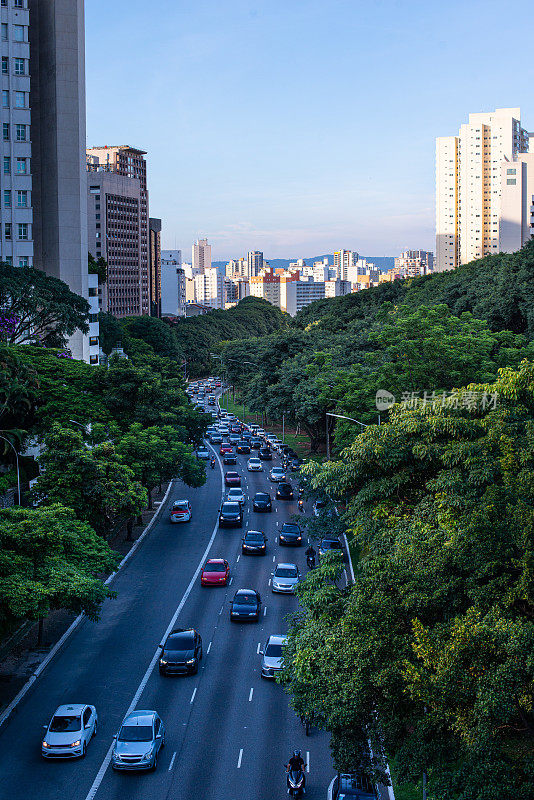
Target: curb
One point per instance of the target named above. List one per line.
(58, 646)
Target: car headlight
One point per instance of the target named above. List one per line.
(77, 743)
(45, 744)
(190, 662)
(147, 756)
(163, 662)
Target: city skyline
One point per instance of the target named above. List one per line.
(336, 151)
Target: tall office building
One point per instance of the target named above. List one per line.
(43, 187)
(173, 284)
(201, 256)
(468, 185)
(154, 266)
(343, 260)
(254, 263)
(117, 221)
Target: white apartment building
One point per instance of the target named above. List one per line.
(516, 225)
(295, 295)
(343, 260)
(93, 334)
(412, 263)
(254, 263)
(201, 256)
(173, 284)
(468, 185)
(337, 288)
(209, 288)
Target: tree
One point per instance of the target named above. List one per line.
(157, 454)
(431, 651)
(49, 560)
(98, 267)
(92, 481)
(38, 308)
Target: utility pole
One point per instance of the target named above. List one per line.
(327, 440)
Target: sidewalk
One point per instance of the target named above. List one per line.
(24, 657)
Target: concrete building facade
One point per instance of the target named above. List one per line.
(154, 266)
(296, 294)
(267, 286)
(201, 256)
(468, 185)
(413, 263)
(254, 263)
(516, 225)
(343, 260)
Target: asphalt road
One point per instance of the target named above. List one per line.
(229, 732)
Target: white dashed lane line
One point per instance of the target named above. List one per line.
(259, 646)
(250, 694)
(171, 765)
(209, 648)
(193, 695)
(265, 611)
(240, 758)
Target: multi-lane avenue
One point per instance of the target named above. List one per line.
(228, 731)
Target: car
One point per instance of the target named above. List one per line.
(352, 786)
(243, 447)
(234, 438)
(232, 479)
(295, 465)
(277, 474)
(181, 511)
(254, 465)
(216, 438)
(318, 507)
(262, 502)
(215, 572)
(229, 459)
(260, 433)
(328, 544)
(253, 427)
(138, 742)
(285, 578)
(203, 453)
(246, 435)
(254, 542)
(225, 448)
(271, 655)
(265, 454)
(235, 430)
(290, 534)
(224, 430)
(236, 495)
(230, 515)
(275, 444)
(256, 444)
(69, 731)
(181, 652)
(245, 606)
(284, 491)
(211, 401)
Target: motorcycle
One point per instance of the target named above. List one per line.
(296, 781)
(310, 560)
(212, 463)
(301, 505)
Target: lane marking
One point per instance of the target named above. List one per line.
(240, 758)
(209, 648)
(230, 583)
(250, 694)
(264, 610)
(172, 761)
(107, 758)
(307, 760)
(258, 650)
(193, 695)
(274, 559)
(239, 556)
(220, 612)
(269, 581)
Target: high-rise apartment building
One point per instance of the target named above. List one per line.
(154, 266)
(412, 263)
(266, 285)
(173, 284)
(209, 288)
(517, 203)
(468, 185)
(296, 294)
(201, 256)
(119, 172)
(344, 259)
(254, 263)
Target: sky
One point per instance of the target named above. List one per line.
(299, 127)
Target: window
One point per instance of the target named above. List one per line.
(5, 65)
(4, 31)
(22, 198)
(93, 340)
(24, 261)
(7, 165)
(23, 231)
(9, 260)
(93, 317)
(511, 181)
(21, 133)
(93, 292)
(93, 359)
(7, 198)
(5, 131)
(18, 3)
(20, 66)
(21, 166)
(5, 98)
(4, 2)
(7, 231)
(511, 172)
(18, 33)
(20, 99)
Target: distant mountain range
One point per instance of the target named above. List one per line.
(382, 262)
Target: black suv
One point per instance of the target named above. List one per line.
(265, 454)
(290, 534)
(262, 502)
(181, 653)
(254, 543)
(230, 515)
(353, 787)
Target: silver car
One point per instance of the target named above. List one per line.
(138, 742)
(70, 730)
(271, 661)
(285, 578)
(236, 495)
(254, 465)
(277, 474)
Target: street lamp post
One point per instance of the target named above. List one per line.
(17, 460)
(338, 416)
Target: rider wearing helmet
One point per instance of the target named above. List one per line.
(296, 762)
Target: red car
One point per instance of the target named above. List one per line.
(232, 479)
(217, 384)
(226, 448)
(215, 573)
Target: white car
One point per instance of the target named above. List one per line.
(236, 495)
(203, 453)
(260, 432)
(69, 731)
(272, 655)
(277, 474)
(254, 465)
(275, 443)
(181, 511)
(224, 430)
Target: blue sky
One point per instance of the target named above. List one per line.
(298, 127)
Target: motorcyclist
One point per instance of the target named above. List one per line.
(310, 556)
(296, 762)
(212, 462)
